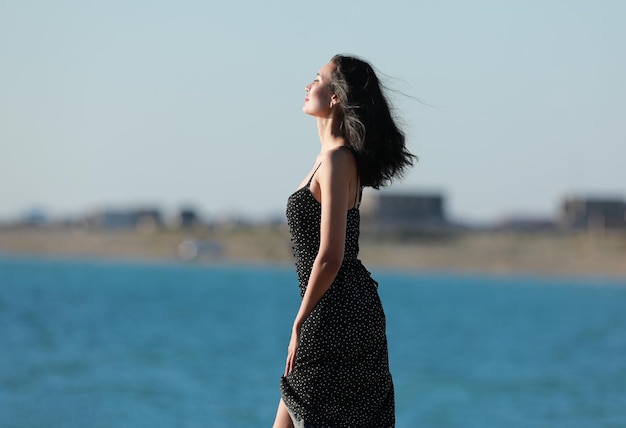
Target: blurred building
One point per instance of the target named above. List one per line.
(34, 217)
(188, 217)
(593, 214)
(526, 224)
(143, 219)
(404, 213)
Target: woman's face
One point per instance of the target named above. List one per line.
(318, 95)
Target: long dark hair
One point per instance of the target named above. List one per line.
(367, 124)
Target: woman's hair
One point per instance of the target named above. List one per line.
(367, 124)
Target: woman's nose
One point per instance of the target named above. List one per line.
(307, 88)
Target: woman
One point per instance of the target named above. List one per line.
(337, 370)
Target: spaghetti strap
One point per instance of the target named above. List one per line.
(312, 175)
(358, 195)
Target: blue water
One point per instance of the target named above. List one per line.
(94, 344)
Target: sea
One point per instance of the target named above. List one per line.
(138, 344)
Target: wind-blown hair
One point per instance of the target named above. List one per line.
(367, 124)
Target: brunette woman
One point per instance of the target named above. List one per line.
(337, 370)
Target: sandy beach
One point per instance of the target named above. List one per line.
(580, 254)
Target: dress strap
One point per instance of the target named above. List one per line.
(312, 175)
(358, 195)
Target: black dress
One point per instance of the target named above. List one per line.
(341, 374)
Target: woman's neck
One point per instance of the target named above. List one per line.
(328, 130)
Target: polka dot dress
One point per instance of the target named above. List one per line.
(341, 376)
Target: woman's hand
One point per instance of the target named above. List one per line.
(292, 350)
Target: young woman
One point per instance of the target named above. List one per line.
(337, 370)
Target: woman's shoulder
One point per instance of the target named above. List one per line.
(339, 156)
(339, 164)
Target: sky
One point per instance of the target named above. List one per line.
(510, 106)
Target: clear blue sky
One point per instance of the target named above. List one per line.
(123, 103)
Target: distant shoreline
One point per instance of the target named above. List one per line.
(581, 255)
